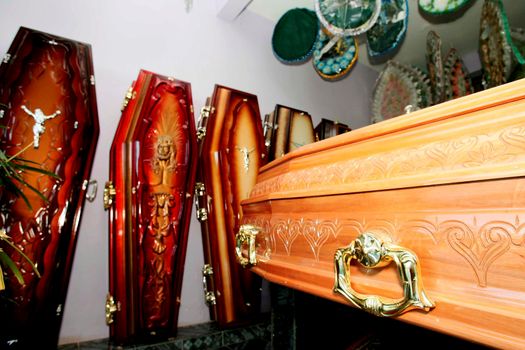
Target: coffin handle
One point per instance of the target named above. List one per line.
(372, 252)
(246, 236)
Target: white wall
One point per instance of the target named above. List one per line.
(197, 47)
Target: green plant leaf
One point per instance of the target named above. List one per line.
(19, 251)
(2, 282)
(6, 260)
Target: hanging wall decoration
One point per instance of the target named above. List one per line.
(435, 66)
(457, 83)
(333, 62)
(344, 18)
(496, 49)
(294, 35)
(389, 30)
(442, 7)
(395, 92)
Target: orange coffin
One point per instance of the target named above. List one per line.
(437, 198)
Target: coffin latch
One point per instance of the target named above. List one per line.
(209, 296)
(109, 194)
(200, 191)
(206, 111)
(372, 252)
(246, 237)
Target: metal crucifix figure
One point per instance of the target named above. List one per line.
(40, 118)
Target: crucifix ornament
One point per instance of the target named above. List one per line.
(39, 128)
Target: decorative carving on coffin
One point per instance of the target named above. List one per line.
(479, 245)
(46, 76)
(497, 148)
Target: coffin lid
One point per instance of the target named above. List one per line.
(453, 142)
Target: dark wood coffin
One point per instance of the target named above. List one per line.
(153, 161)
(286, 129)
(424, 212)
(328, 128)
(231, 153)
(49, 110)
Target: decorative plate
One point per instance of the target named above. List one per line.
(390, 28)
(435, 66)
(441, 7)
(495, 44)
(294, 35)
(394, 92)
(346, 17)
(334, 56)
(422, 82)
(457, 82)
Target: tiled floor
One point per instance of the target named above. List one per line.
(197, 337)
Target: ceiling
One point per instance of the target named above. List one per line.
(461, 33)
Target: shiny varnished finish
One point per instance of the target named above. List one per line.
(287, 129)
(445, 182)
(153, 164)
(329, 128)
(51, 118)
(231, 154)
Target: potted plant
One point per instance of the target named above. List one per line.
(11, 180)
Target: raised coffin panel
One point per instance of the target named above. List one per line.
(230, 157)
(153, 164)
(446, 182)
(49, 110)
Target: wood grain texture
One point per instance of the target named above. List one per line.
(230, 158)
(446, 182)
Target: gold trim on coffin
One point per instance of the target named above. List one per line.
(371, 252)
(246, 236)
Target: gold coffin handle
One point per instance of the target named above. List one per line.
(246, 236)
(371, 252)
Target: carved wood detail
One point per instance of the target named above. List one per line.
(501, 147)
(479, 245)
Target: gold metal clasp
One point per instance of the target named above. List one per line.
(371, 252)
(200, 191)
(246, 236)
(109, 195)
(206, 111)
(209, 296)
(111, 308)
(130, 95)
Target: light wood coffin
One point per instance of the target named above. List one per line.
(446, 183)
(232, 150)
(49, 111)
(153, 161)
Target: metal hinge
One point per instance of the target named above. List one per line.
(130, 95)
(209, 296)
(206, 111)
(112, 306)
(109, 194)
(7, 57)
(91, 188)
(92, 79)
(200, 191)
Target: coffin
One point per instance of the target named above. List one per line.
(286, 129)
(328, 128)
(153, 160)
(231, 151)
(425, 211)
(47, 94)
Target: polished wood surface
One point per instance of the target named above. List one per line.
(153, 164)
(446, 182)
(231, 154)
(51, 119)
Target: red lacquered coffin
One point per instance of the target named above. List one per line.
(231, 152)
(47, 94)
(153, 161)
(286, 129)
(420, 218)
